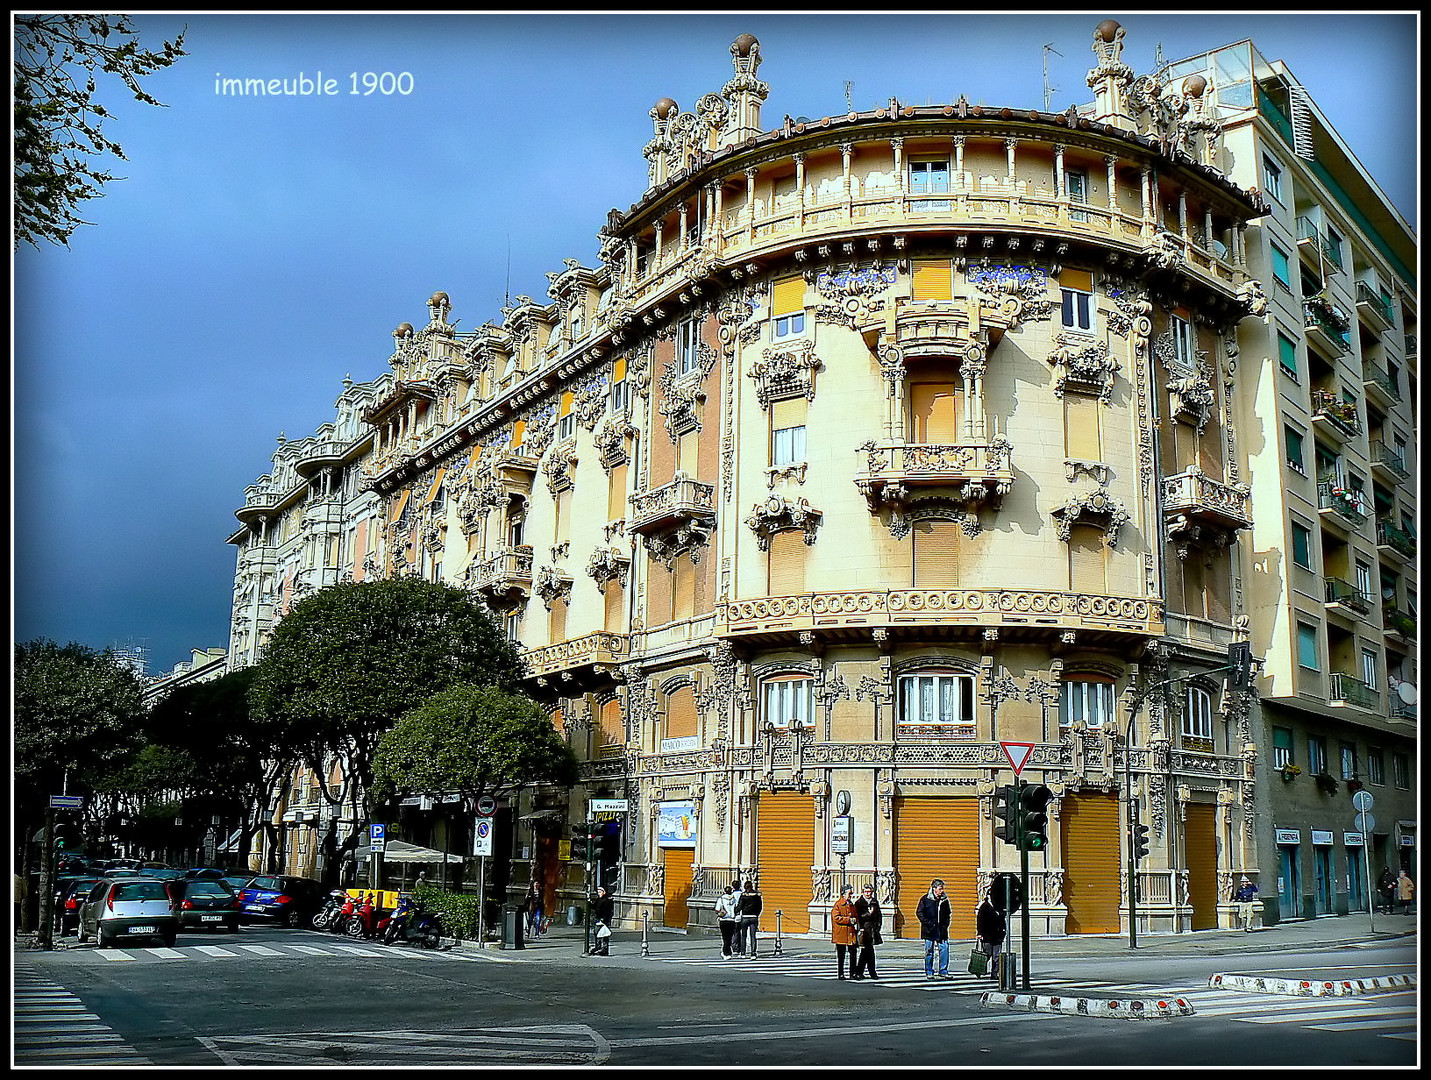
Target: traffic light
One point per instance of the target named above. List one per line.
(1006, 812)
(1239, 662)
(1138, 840)
(1033, 816)
(581, 842)
(62, 839)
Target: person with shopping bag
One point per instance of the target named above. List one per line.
(989, 927)
(602, 907)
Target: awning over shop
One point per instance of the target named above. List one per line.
(400, 852)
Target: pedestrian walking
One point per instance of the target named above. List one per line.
(989, 928)
(602, 907)
(533, 908)
(751, 905)
(1386, 886)
(728, 918)
(1405, 890)
(1246, 897)
(868, 918)
(737, 936)
(934, 913)
(844, 931)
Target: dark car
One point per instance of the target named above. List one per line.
(69, 895)
(205, 904)
(288, 901)
(127, 909)
(238, 880)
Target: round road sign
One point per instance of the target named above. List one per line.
(486, 806)
(1006, 893)
(1362, 800)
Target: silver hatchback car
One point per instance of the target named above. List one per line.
(123, 909)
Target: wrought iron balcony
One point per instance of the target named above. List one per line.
(1374, 309)
(1195, 495)
(1379, 386)
(1389, 536)
(1346, 687)
(1347, 503)
(1339, 415)
(980, 471)
(682, 500)
(1325, 327)
(1345, 594)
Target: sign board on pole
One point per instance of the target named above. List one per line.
(482, 837)
(486, 806)
(608, 806)
(842, 835)
(1362, 800)
(1018, 754)
(67, 802)
(378, 837)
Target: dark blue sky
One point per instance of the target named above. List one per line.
(260, 249)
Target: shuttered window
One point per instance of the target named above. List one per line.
(613, 730)
(787, 306)
(1087, 560)
(932, 281)
(787, 563)
(676, 864)
(683, 588)
(787, 431)
(785, 852)
(519, 432)
(435, 488)
(557, 621)
(1082, 418)
(936, 554)
(687, 454)
(681, 713)
(658, 593)
(934, 412)
(400, 505)
(936, 838)
(616, 496)
(615, 603)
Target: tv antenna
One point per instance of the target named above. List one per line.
(849, 102)
(1048, 90)
(507, 301)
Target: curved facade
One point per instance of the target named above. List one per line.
(874, 442)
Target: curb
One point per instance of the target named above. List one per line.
(1307, 987)
(1110, 1008)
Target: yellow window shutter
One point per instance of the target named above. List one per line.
(787, 563)
(613, 728)
(936, 554)
(618, 369)
(519, 431)
(787, 413)
(1087, 560)
(436, 483)
(788, 295)
(932, 281)
(616, 500)
(1082, 415)
(935, 412)
(1082, 280)
(681, 713)
(615, 614)
(398, 506)
(683, 588)
(566, 403)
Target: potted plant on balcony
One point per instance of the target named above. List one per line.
(1290, 772)
(1354, 785)
(1327, 783)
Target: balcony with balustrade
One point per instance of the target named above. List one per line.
(1342, 596)
(1345, 688)
(1340, 505)
(897, 471)
(505, 576)
(680, 502)
(1391, 540)
(1373, 308)
(1379, 386)
(1396, 621)
(1325, 326)
(1387, 463)
(593, 653)
(1334, 416)
(1204, 501)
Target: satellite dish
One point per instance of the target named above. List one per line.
(802, 119)
(1406, 692)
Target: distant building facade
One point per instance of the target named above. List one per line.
(875, 442)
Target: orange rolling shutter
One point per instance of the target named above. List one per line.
(400, 505)
(936, 837)
(681, 713)
(1081, 417)
(613, 730)
(1092, 852)
(1087, 560)
(1200, 848)
(934, 412)
(1082, 280)
(436, 484)
(519, 431)
(785, 850)
(936, 554)
(932, 281)
(676, 863)
(787, 563)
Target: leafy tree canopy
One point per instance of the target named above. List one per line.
(475, 741)
(78, 712)
(58, 122)
(347, 661)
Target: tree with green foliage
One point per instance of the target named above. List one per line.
(472, 741)
(346, 662)
(58, 121)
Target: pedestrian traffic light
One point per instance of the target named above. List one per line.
(1138, 840)
(1006, 812)
(1033, 816)
(62, 839)
(1239, 663)
(581, 841)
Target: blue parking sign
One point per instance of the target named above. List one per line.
(377, 837)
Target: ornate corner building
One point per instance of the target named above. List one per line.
(879, 440)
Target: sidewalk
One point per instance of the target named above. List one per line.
(563, 942)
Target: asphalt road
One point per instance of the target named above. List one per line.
(272, 997)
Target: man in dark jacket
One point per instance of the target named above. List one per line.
(751, 906)
(934, 913)
(990, 927)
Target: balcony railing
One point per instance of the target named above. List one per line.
(980, 470)
(1383, 456)
(1200, 496)
(1347, 595)
(1325, 327)
(1380, 384)
(1401, 710)
(1399, 622)
(1411, 346)
(1373, 307)
(1343, 686)
(1388, 535)
(508, 571)
(597, 648)
(1341, 413)
(683, 499)
(1347, 502)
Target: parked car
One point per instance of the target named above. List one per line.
(238, 880)
(69, 895)
(289, 901)
(205, 904)
(213, 873)
(168, 874)
(128, 909)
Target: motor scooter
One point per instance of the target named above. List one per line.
(324, 917)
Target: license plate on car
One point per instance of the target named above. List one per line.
(142, 930)
(253, 907)
(211, 918)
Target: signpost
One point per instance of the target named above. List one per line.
(66, 802)
(1363, 802)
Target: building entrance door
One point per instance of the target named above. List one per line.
(1322, 869)
(1356, 879)
(1290, 893)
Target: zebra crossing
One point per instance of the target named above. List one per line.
(1390, 1015)
(285, 951)
(52, 1027)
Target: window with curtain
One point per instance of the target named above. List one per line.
(1281, 747)
(1086, 700)
(788, 701)
(1197, 718)
(937, 703)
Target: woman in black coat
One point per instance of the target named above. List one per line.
(602, 908)
(989, 925)
(868, 918)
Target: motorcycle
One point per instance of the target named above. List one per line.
(361, 922)
(395, 925)
(414, 924)
(324, 917)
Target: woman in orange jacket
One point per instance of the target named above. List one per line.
(843, 919)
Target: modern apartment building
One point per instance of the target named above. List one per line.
(881, 451)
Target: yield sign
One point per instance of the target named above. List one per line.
(1018, 754)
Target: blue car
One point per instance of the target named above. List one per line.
(288, 901)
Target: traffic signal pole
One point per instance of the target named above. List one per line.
(1024, 879)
